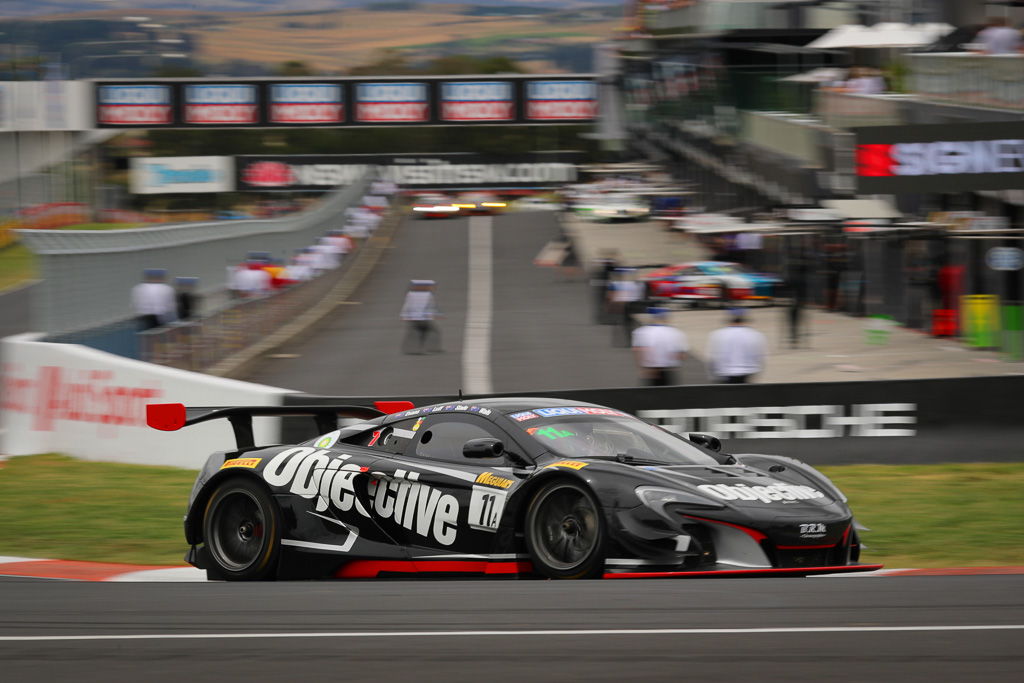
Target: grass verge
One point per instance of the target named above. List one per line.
(955, 515)
(59, 507)
(17, 265)
(920, 515)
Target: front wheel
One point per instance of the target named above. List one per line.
(565, 532)
(242, 531)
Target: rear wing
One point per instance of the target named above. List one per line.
(170, 417)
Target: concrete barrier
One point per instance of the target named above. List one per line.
(90, 404)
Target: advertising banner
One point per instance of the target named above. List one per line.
(221, 104)
(822, 423)
(561, 100)
(188, 175)
(67, 398)
(477, 101)
(134, 104)
(940, 158)
(410, 171)
(388, 102)
(310, 103)
(276, 102)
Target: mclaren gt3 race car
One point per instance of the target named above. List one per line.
(514, 487)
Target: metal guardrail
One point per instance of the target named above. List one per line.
(968, 78)
(847, 110)
(87, 276)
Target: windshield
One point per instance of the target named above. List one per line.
(723, 269)
(616, 436)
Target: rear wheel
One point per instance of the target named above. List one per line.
(242, 531)
(565, 532)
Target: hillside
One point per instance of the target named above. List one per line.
(546, 36)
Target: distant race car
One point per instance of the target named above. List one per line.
(719, 282)
(503, 487)
(614, 206)
(434, 205)
(479, 203)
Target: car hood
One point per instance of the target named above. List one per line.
(734, 486)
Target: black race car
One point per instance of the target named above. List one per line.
(512, 486)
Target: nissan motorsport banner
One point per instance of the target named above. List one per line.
(273, 102)
(940, 158)
(409, 171)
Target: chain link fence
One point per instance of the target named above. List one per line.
(87, 276)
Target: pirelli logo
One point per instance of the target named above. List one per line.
(491, 479)
(571, 464)
(241, 462)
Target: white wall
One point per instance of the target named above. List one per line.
(89, 404)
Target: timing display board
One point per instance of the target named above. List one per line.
(309, 102)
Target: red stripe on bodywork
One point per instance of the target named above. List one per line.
(772, 571)
(369, 569)
(753, 533)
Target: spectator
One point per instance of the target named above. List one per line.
(736, 351)
(659, 349)
(252, 281)
(153, 300)
(186, 297)
(420, 310)
(624, 294)
(864, 81)
(999, 38)
(603, 273)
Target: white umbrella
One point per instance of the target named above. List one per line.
(841, 36)
(821, 75)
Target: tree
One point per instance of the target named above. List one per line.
(294, 67)
(389, 62)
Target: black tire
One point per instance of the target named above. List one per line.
(723, 296)
(242, 531)
(565, 532)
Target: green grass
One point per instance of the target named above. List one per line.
(920, 515)
(958, 515)
(59, 507)
(17, 265)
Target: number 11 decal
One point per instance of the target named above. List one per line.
(485, 507)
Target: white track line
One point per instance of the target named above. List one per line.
(476, 347)
(551, 632)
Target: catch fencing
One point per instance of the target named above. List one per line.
(87, 276)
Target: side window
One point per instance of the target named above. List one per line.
(393, 438)
(442, 438)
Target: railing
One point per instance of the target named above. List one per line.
(847, 110)
(201, 344)
(968, 78)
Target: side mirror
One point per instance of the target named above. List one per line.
(707, 441)
(486, 447)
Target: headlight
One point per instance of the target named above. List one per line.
(658, 498)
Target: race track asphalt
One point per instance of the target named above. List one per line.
(542, 337)
(379, 630)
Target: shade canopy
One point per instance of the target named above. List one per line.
(884, 35)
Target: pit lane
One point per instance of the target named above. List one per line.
(736, 621)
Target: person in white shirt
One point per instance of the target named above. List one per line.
(659, 349)
(252, 281)
(154, 300)
(736, 351)
(420, 310)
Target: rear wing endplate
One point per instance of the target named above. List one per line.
(170, 417)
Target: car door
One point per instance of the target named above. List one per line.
(436, 499)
